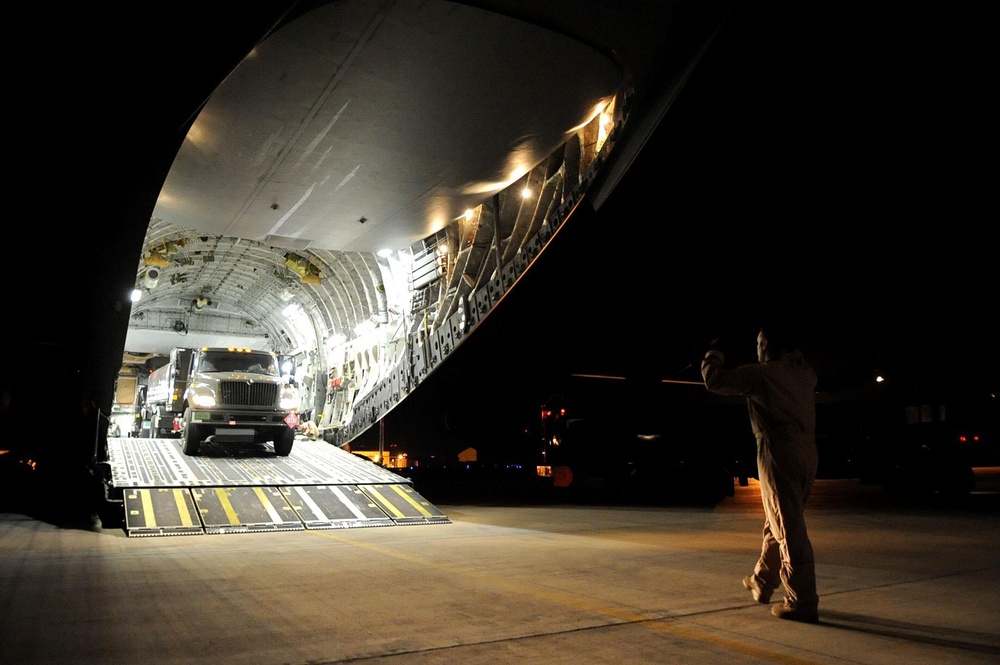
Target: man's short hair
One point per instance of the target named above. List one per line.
(782, 334)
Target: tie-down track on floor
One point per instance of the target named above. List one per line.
(222, 490)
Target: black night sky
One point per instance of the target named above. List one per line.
(815, 165)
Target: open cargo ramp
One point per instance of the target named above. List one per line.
(250, 489)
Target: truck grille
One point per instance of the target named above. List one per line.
(243, 393)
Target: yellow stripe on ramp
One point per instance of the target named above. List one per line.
(147, 509)
(227, 506)
(385, 503)
(182, 507)
(265, 501)
(409, 499)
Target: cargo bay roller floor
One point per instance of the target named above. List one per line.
(164, 492)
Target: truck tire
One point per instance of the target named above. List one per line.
(283, 442)
(192, 439)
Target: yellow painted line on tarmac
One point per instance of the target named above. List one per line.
(409, 499)
(227, 506)
(668, 625)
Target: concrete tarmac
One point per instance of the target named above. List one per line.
(900, 581)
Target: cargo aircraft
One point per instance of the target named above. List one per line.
(371, 178)
(352, 184)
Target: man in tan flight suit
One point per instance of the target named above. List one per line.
(781, 395)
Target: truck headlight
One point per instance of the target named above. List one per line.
(203, 400)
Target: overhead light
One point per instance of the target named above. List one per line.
(385, 253)
(136, 294)
(151, 277)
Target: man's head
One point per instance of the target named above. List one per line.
(776, 338)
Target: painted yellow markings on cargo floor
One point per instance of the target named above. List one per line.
(666, 624)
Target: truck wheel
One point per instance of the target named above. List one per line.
(283, 442)
(192, 439)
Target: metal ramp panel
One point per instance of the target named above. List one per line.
(335, 507)
(403, 504)
(161, 511)
(245, 510)
(250, 489)
(172, 511)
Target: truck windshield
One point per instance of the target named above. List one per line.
(223, 361)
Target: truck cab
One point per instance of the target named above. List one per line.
(237, 395)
